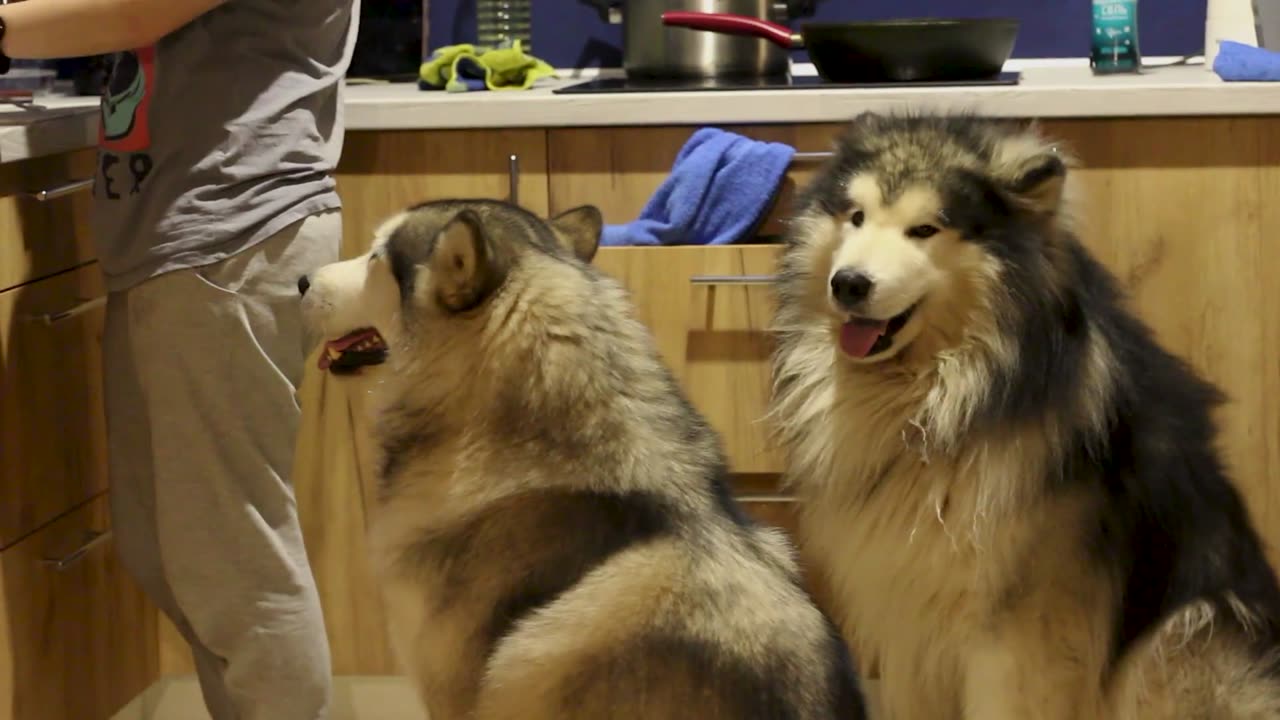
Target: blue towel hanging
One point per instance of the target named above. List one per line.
(719, 189)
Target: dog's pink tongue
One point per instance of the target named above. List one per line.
(857, 336)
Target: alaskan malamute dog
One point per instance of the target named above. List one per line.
(1013, 487)
(555, 534)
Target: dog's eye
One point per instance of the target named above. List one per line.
(921, 232)
(857, 218)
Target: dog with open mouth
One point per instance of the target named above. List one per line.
(350, 350)
(1015, 490)
(555, 535)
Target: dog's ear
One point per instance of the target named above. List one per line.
(578, 230)
(464, 267)
(1040, 183)
(1033, 172)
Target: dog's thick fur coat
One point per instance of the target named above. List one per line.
(1016, 494)
(555, 535)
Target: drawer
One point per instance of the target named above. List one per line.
(52, 419)
(77, 637)
(709, 308)
(44, 216)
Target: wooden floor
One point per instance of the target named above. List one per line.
(355, 698)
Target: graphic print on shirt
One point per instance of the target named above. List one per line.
(124, 134)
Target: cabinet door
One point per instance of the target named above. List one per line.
(52, 423)
(708, 307)
(44, 215)
(1184, 212)
(709, 310)
(77, 637)
(384, 172)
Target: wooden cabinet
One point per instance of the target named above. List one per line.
(77, 637)
(1183, 210)
(382, 173)
(1179, 208)
(44, 215)
(52, 422)
(709, 309)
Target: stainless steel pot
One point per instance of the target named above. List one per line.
(653, 50)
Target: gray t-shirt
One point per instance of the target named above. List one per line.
(220, 135)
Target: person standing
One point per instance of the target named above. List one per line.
(221, 125)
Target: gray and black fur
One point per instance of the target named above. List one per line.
(1055, 467)
(556, 535)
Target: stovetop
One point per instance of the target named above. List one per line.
(630, 85)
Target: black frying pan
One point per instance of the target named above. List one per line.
(926, 49)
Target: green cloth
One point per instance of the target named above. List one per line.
(502, 68)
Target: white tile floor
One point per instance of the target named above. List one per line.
(355, 698)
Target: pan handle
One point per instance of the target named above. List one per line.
(734, 25)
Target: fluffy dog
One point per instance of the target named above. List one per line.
(554, 535)
(1013, 487)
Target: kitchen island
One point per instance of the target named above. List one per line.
(1179, 177)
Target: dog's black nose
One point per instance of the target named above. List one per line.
(303, 284)
(850, 287)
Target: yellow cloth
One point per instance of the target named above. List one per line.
(502, 68)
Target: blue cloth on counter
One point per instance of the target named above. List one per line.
(719, 189)
(1239, 62)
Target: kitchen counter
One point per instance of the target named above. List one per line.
(58, 125)
(1049, 89)
(1063, 90)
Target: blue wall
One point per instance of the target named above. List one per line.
(568, 33)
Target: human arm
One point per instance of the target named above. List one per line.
(39, 29)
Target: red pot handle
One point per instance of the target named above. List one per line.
(732, 25)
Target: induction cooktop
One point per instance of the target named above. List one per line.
(808, 82)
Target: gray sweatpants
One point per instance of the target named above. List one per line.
(201, 369)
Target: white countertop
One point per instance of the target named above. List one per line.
(1055, 91)
(1048, 89)
(61, 124)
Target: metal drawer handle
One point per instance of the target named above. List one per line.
(733, 279)
(74, 311)
(765, 498)
(702, 301)
(54, 193)
(513, 179)
(93, 538)
(806, 157)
